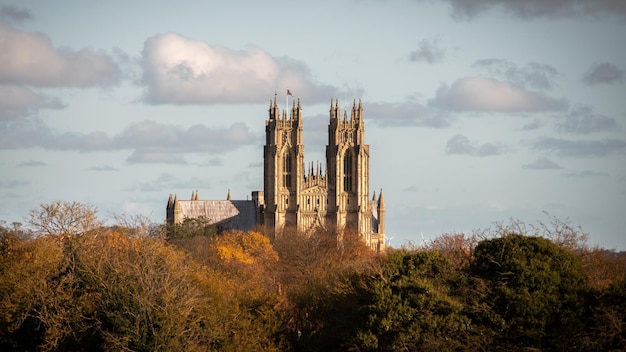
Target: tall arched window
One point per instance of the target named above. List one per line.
(348, 171)
(287, 170)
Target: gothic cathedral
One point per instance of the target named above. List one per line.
(299, 196)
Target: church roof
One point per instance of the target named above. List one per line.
(232, 214)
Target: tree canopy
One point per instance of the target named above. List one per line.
(68, 283)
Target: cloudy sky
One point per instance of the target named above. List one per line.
(477, 111)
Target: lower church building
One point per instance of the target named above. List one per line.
(300, 196)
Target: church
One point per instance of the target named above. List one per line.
(300, 196)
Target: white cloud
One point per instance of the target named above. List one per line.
(490, 95)
(30, 59)
(178, 70)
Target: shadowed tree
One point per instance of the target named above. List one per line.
(537, 288)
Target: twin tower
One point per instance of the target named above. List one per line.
(304, 197)
(301, 197)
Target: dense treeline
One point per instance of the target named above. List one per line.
(69, 283)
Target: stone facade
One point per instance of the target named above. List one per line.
(301, 196)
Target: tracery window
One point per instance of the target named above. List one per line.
(348, 171)
(287, 170)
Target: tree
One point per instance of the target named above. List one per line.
(409, 307)
(317, 272)
(607, 323)
(458, 247)
(63, 219)
(190, 227)
(538, 289)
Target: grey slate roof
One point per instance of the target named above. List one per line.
(228, 214)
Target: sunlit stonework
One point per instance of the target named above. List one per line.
(300, 196)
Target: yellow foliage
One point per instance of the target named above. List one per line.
(229, 252)
(246, 248)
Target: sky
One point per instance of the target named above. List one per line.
(477, 112)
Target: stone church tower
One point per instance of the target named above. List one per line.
(333, 196)
(303, 197)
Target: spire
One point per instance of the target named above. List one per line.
(170, 201)
(274, 112)
(193, 195)
(360, 113)
(228, 196)
(374, 196)
(197, 196)
(381, 201)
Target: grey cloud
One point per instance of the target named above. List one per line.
(404, 114)
(170, 181)
(32, 163)
(580, 148)
(582, 120)
(51, 67)
(178, 70)
(150, 136)
(214, 162)
(530, 9)
(534, 75)
(15, 14)
(603, 73)
(411, 189)
(428, 51)
(461, 145)
(534, 125)
(101, 168)
(17, 101)
(13, 183)
(154, 157)
(585, 174)
(542, 163)
(151, 141)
